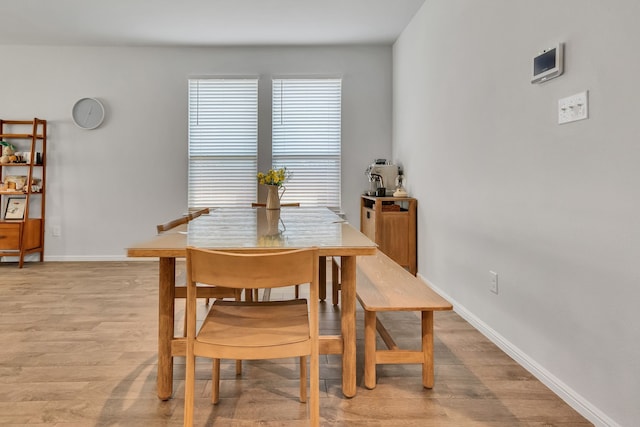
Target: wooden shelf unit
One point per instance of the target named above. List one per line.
(21, 237)
(391, 223)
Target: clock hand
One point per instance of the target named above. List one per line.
(88, 113)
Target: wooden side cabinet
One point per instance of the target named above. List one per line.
(391, 223)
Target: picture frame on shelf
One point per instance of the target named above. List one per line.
(15, 208)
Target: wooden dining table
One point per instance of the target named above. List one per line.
(258, 230)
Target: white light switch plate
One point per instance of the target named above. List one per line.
(574, 107)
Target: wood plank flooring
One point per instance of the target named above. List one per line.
(78, 348)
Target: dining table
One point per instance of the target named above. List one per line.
(251, 229)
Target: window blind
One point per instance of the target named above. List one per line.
(223, 142)
(306, 138)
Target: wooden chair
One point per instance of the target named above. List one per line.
(248, 330)
(206, 292)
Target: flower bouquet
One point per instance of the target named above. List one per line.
(274, 180)
(275, 177)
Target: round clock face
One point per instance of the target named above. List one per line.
(88, 113)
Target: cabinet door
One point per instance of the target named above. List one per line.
(31, 238)
(394, 239)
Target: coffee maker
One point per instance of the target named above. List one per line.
(382, 178)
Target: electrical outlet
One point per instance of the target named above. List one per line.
(56, 231)
(493, 284)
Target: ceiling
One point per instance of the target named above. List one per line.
(203, 22)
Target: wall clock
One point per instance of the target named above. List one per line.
(87, 113)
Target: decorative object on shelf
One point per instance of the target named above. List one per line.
(400, 190)
(15, 208)
(8, 152)
(18, 181)
(7, 148)
(87, 113)
(274, 179)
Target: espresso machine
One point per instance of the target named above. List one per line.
(382, 178)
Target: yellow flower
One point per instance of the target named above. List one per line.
(273, 177)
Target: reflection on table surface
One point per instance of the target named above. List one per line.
(289, 227)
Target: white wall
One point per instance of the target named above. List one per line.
(501, 186)
(107, 188)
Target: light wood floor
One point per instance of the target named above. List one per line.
(78, 348)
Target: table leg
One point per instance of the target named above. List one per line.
(348, 323)
(427, 349)
(166, 301)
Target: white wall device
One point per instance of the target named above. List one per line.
(548, 64)
(572, 108)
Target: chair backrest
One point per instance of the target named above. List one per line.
(261, 205)
(161, 228)
(196, 214)
(252, 271)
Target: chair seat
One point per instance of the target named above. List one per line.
(255, 325)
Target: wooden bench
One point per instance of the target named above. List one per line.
(383, 285)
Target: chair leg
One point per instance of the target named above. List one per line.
(297, 292)
(238, 368)
(184, 326)
(335, 282)
(215, 382)
(303, 379)
(189, 389)
(322, 278)
(314, 404)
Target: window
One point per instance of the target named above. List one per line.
(223, 142)
(306, 138)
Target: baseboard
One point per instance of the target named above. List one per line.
(566, 393)
(81, 258)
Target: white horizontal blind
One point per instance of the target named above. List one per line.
(306, 138)
(223, 142)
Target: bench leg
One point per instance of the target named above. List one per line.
(427, 349)
(370, 349)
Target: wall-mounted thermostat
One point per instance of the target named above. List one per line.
(548, 64)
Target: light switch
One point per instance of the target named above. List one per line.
(574, 107)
